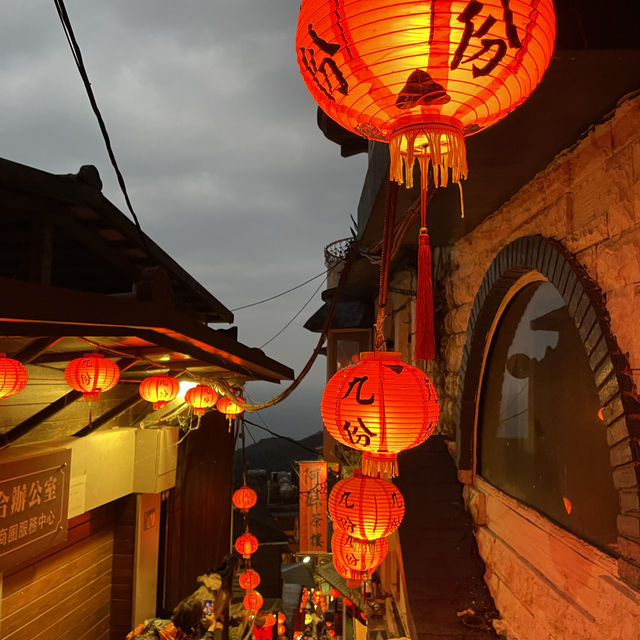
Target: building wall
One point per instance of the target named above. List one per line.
(546, 582)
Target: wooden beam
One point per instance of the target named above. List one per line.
(114, 412)
(31, 353)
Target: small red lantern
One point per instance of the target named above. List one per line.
(249, 579)
(269, 620)
(380, 406)
(334, 593)
(244, 498)
(347, 602)
(281, 629)
(366, 508)
(228, 407)
(201, 398)
(13, 376)
(92, 374)
(159, 389)
(331, 633)
(281, 617)
(246, 544)
(354, 559)
(253, 601)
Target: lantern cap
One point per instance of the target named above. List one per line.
(380, 355)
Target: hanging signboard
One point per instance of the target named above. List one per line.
(34, 496)
(313, 507)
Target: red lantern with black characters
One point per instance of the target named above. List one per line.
(159, 389)
(355, 559)
(13, 376)
(246, 544)
(201, 398)
(92, 374)
(380, 406)
(244, 498)
(252, 601)
(249, 579)
(366, 508)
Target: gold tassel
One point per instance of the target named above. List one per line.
(443, 147)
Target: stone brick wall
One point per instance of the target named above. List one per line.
(587, 199)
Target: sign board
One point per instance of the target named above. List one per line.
(34, 495)
(313, 507)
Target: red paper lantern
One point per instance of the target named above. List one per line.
(269, 620)
(159, 389)
(252, 601)
(201, 398)
(366, 508)
(421, 74)
(244, 498)
(380, 406)
(331, 633)
(281, 629)
(92, 374)
(228, 407)
(334, 593)
(281, 617)
(356, 559)
(13, 376)
(249, 579)
(246, 544)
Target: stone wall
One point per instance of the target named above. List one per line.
(588, 199)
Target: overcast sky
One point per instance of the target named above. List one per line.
(216, 136)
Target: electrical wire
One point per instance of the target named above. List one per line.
(279, 435)
(304, 306)
(279, 295)
(77, 56)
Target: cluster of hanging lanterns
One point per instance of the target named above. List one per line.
(246, 545)
(420, 75)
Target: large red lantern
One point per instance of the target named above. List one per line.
(201, 398)
(249, 579)
(92, 374)
(13, 376)
(380, 406)
(244, 498)
(253, 601)
(420, 74)
(246, 544)
(228, 407)
(159, 389)
(366, 508)
(358, 555)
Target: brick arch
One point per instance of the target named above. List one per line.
(586, 305)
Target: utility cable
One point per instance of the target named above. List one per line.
(304, 306)
(279, 295)
(77, 56)
(279, 435)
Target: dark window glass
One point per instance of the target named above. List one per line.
(540, 437)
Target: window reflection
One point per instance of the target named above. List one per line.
(540, 438)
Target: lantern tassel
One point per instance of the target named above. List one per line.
(425, 340)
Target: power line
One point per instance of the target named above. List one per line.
(278, 435)
(304, 306)
(77, 56)
(254, 304)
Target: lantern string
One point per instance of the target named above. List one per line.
(387, 243)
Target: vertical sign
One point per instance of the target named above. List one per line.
(34, 495)
(313, 507)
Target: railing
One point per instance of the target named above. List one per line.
(336, 251)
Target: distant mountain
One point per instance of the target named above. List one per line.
(278, 454)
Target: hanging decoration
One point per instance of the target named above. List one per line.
(380, 406)
(159, 389)
(229, 408)
(201, 398)
(356, 559)
(252, 601)
(13, 376)
(244, 498)
(281, 629)
(246, 544)
(269, 620)
(249, 579)
(92, 374)
(421, 75)
(366, 508)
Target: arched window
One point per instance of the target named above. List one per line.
(541, 438)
